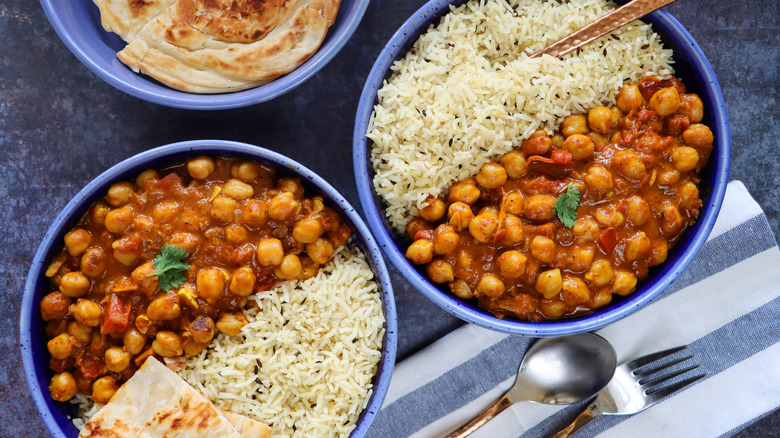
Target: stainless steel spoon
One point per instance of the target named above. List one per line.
(555, 371)
(633, 10)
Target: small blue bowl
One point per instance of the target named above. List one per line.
(35, 357)
(77, 23)
(691, 67)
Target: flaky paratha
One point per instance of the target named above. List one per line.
(215, 46)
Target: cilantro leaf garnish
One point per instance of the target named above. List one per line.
(169, 267)
(566, 205)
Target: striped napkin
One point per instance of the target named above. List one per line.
(725, 306)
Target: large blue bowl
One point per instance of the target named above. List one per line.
(691, 67)
(77, 22)
(35, 357)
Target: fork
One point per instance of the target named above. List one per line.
(635, 387)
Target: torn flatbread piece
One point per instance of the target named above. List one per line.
(157, 403)
(215, 46)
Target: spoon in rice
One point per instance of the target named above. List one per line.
(633, 10)
(555, 371)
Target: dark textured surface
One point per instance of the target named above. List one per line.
(60, 126)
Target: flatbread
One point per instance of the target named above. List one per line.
(157, 403)
(247, 427)
(214, 46)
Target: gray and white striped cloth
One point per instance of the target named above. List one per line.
(725, 306)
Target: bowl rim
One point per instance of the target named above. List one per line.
(336, 38)
(396, 47)
(96, 187)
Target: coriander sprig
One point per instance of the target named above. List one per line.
(169, 267)
(566, 205)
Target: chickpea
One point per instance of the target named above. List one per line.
(320, 251)
(539, 143)
(600, 119)
(119, 193)
(689, 195)
(659, 252)
(55, 305)
(445, 239)
(483, 226)
(117, 359)
(672, 220)
(291, 185)
(600, 273)
(513, 203)
(223, 208)
(254, 213)
(93, 262)
(192, 348)
(167, 344)
(514, 164)
(574, 291)
(623, 283)
(231, 323)
(574, 124)
(580, 146)
(465, 191)
(465, 259)
(270, 252)
(61, 346)
(307, 230)
(698, 135)
(511, 264)
(309, 268)
(237, 189)
(144, 277)
(629, 98)
(549, 283)
(98, 213)
(165, 210)
(513, 231)
(243, 281)
(638, 211)
(609, 216)
(119, 220)
(668, 177)
(74, 284)
(56, 327)
(245, 171)
(685, 158)
(416, 225)
(461, 289)
(665, 101)
(87, 312)
(283, 206)
(164, 308)
(143, 225)
(63, 387)
(637, 246)
(420, 252)
(598, 179)
(439, 271)
(202, 329)
(491, 175)
(77, 241)
(187, 241)
(210, 284)
(126, 251)
(147, 175)
(434, 209)
(236, 234)
(491, 286)
(79, 332)
(579, 258)
(134, 341)
(629, 164)
(539, 208)
(691, 107)
(543, 249)
(290, 268)
(586, 230)
(552, 308)
(200, 167)
(460, 215)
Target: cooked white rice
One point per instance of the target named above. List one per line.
(305, 362)
(466, 93)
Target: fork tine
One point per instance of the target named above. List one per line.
(666, 377)
(650, 358)
(660, 367)
(656, 396)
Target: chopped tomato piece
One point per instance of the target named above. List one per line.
(608, 239)
(116, 317)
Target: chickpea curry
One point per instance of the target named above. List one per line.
(162, 264)
(635, 169)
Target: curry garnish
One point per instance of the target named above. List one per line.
(566, 205)
(169, 267)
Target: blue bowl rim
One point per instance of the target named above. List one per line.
(97, 187)
(335, 40)
(396, 46)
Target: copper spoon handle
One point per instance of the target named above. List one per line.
(496, 408)
(621, 16)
